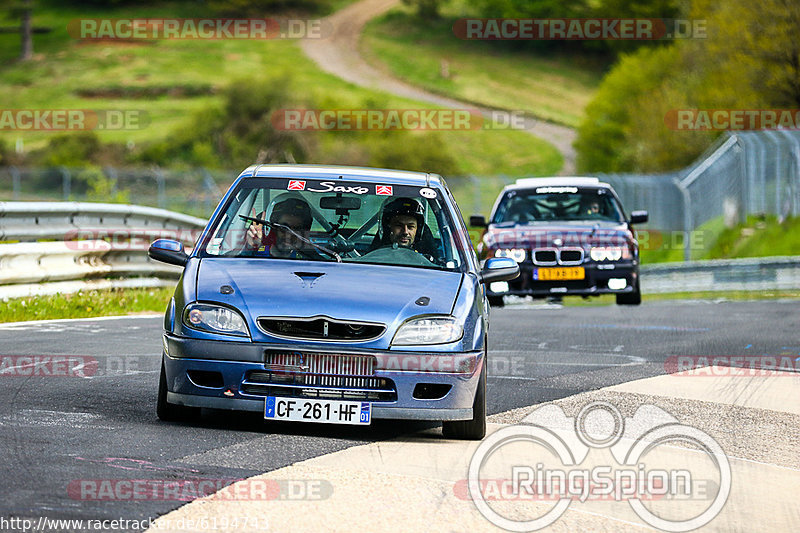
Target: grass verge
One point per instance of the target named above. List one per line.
(65, 71)
(428, 54)
(86, 304)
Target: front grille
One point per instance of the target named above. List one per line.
(553, 256)
(321, 328)
(544, 257)
(314, 375)
(570, 256)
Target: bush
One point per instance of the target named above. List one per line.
(238, 133)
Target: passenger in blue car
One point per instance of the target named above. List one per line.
(403, 225)
(293, 213)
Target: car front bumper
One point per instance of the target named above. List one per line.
(234, 361)
(595, 281)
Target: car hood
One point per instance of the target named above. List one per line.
(348, 291)
(559, 233)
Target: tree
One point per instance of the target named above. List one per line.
(26, 31)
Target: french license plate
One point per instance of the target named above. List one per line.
(324, 411)
(558, 274)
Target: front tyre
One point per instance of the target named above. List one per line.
(631, 298)
(474, 429)
(496, 301)
(169, 412)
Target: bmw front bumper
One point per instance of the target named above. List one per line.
(595, 281)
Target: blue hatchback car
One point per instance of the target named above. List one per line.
(332, 295)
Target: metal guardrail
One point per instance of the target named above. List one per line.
(33, 221)
(751, 274)
(87, 243)
(104, 245)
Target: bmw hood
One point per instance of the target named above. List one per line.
(346, 291)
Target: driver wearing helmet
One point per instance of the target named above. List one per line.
(403, 225)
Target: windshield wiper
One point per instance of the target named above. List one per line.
(293, 232)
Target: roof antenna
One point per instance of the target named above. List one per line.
(427, 179)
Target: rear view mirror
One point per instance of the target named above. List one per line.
(477, 221)
(342, 204)
(639, 217)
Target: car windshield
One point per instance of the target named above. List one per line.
(335, 220)
(558, 203)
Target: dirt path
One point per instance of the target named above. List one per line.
(339, 55)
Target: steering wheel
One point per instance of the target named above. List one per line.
(390, 254)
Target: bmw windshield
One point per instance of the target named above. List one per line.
(544, 204)
(335, 220)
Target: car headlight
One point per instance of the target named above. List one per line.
(517, 254)
(215, 319)
(609, 253)
(428, 330)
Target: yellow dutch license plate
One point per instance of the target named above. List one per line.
(558, 274)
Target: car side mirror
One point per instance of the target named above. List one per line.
(477, 221)
(168, 251)
(499, 269)
(639, 217)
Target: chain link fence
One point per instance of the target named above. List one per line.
(741, 174)
(194, 192)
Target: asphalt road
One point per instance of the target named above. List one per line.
(58, 432)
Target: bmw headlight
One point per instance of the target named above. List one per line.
(428, 330)
(215, 319)
(609, 253)
(517, 254)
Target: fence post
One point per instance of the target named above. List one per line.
(15, 182)
(476, 194)
(687, 219)
(66, 183)
(162, 195)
